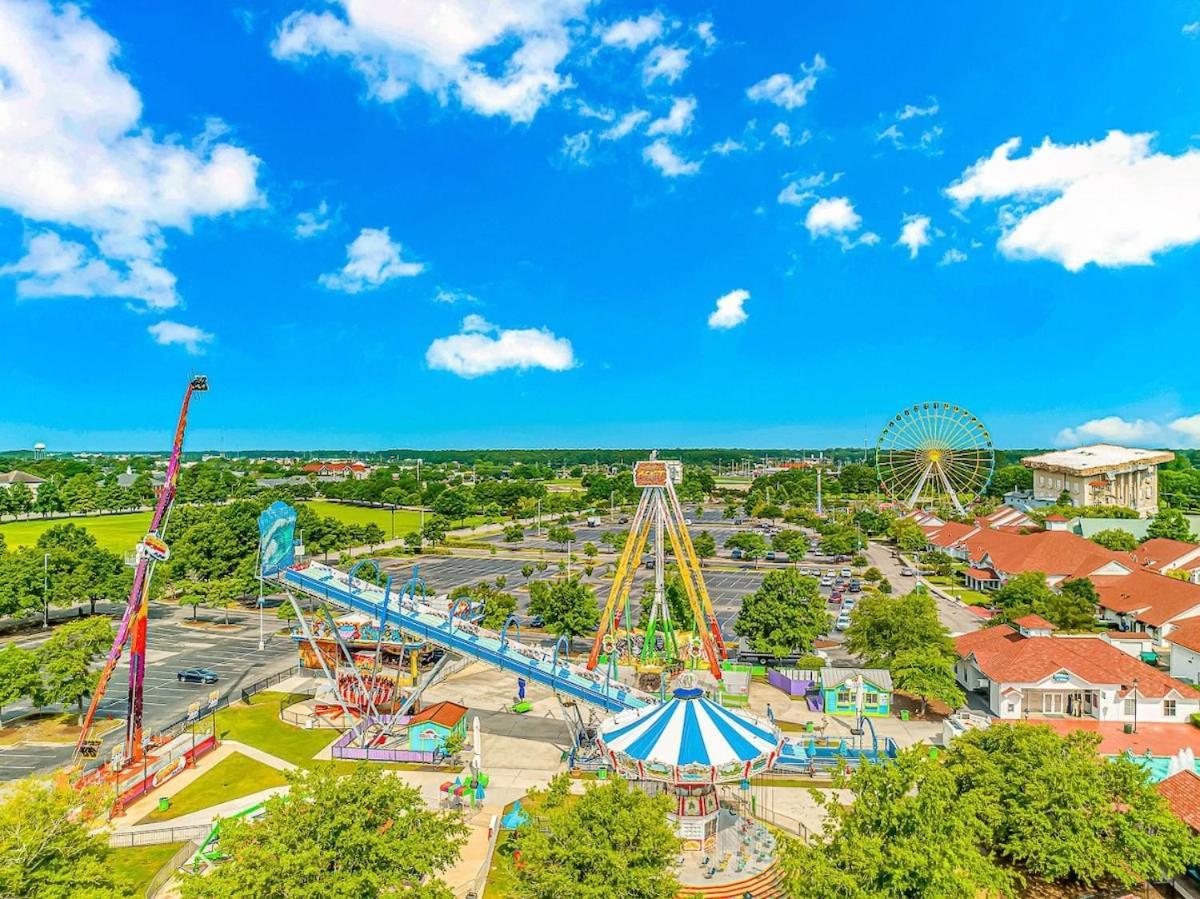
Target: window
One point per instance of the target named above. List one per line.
(871, 698)
(1129, 706)
(1168, 708)
(844, 697)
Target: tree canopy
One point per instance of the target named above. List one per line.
(567, 605)
(1115, 539)
(784, 615)
(614, 840)
(365, 834)
(1171, 524)
(882, 626)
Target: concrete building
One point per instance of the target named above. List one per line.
(1099, 475)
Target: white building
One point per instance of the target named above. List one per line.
(1185, 651)
(1027, 672)
(1099, 475)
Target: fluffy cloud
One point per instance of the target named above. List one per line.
(912, 112)
(727, 146)
(453, 295)
(372, 259)
(835, 217)
(730, 311)
(1191, 29)
(189, 337)
(312, 222)
(575, 147)
(784, 90)
(665, 62)
(74, 154)
(663, 157)
(481, 348)
(1183, 430)
(435, 46)
(706, 34)
(632, 33)
(625, 125)
(678, 120)
(1112, 202)
(801, 190)
(952, 257)
(914, 234)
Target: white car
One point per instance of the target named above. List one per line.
(826, 581)
(843, 622)
(846, 572)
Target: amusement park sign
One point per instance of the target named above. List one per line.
(655, 473)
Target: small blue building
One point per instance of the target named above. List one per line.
(844, 689)
(429, 728)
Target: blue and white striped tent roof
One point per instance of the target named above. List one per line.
(689, 738)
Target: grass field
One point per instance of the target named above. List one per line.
(113, 532)
(234, 776)
(406, 519)
(137, 864)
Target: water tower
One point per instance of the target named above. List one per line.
(39, 451)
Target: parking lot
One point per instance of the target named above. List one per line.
(234, 656)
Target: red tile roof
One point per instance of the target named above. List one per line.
(1182, 792)
(445, 713)
(1057, 517)
(1186, 634)
(1159, 551)
(1154, 598)
(1035, 622)
(1054, 553)
(1005, 656)
(983, 574)
(950, 533)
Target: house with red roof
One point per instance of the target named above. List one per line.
(1164, 555)
(1184, 640)
(1025, 671)
(338, 470)
(1144, 600)
(1182, 792)
(1057, 554)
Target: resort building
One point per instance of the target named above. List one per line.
(1185, 651)
(996, 556)
(1099, 475)
(429, 728)
(337, 470)
(9, 478)
(1143, 600)
(1025, 671)
(845, 690)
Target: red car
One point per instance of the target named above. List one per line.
(835, 596)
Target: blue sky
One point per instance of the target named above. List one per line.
(596, 224)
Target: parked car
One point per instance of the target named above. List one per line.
(197, 676)
(907, 572)
(846, 572)
(855, 587)
(849, 603)
(826, 582)
(835, 596)
(537, 621)
(736, 554)
(843, 621)
(774, 556)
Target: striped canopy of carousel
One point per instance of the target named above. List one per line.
(689, 740)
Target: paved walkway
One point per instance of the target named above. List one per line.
(1159, 739)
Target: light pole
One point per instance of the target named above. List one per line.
(1135, 686)
(612, 505)
(46, 590)
(539, 518)
(393, 521)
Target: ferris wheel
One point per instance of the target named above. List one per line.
(933, 452)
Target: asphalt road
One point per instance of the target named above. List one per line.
(954, 615)
(172, 646)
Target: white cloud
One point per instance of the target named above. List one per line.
(1183, 430)
(372, 259)
(727, 146)
(911, 112)
(663, 157)
(632, 33)
(1191, 29)
(730, 311)
(189, 337)
(665, 62)
(1111, 202)
(435, 45)
(313, 221)
(914, 234)
(75, 154)
(801, 190)
(678, 120)
(585, 109)
(953, 256)
(481, 348)
(1188, 428)
(783, 90)
(575, 147)
(453, 295)
(835, 217)
(1111, 429)
(625, 125)
(706, 34)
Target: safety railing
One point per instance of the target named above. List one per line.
(164, 874)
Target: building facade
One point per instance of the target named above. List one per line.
(1099, 475)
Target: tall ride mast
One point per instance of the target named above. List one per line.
(152, 549)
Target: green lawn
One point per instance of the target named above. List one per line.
(234, 776)
(970, 597)
(113, 532)
(137, 864)
(406, 519)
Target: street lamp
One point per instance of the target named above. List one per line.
(1135, 686)
(393, 521)
(46, 590)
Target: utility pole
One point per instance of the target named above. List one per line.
(46, 590)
